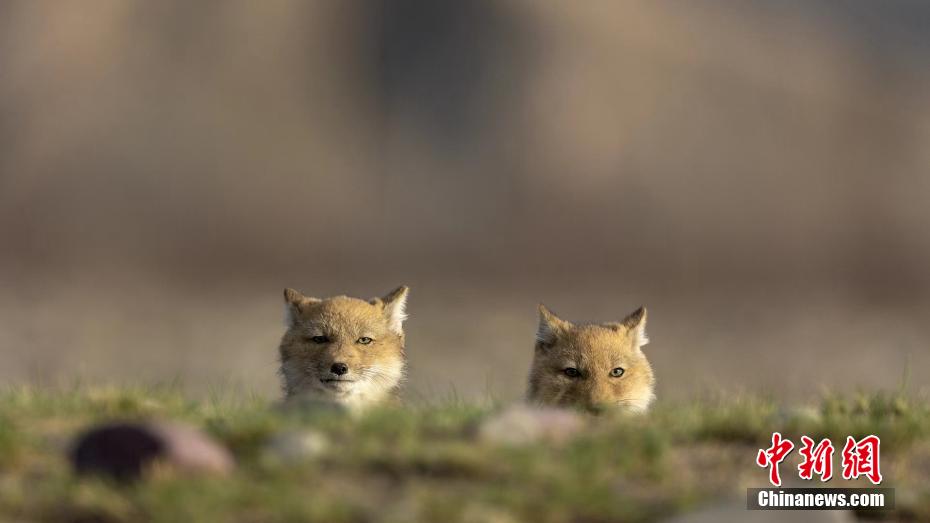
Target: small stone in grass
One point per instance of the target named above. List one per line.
(295, 446)
(125, 451)
(523, 424)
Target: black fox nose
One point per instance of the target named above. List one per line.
(339, 369)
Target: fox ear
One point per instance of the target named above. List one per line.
(550, 326)
(294, 304)
(395, 308)
(635, 323)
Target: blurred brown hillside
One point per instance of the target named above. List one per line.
(749, 168)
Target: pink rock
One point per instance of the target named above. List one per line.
(125, 451)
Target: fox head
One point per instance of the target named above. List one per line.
(592, 366)
(342, 349)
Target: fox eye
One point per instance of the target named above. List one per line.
(571, 372)
(319, 340)
(365, 340)
(616, 372)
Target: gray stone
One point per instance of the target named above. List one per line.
(523, 424)
(295, 446)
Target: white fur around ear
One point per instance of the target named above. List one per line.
(636, 323)
(642, 336)
(395, 308)
(549, 325)
(294, 301)
(290, 316)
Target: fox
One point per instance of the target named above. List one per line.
(342, 350)
(591, 366)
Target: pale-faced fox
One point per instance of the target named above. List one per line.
(592, 366)
(345, 350)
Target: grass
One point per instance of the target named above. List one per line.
(425, 463)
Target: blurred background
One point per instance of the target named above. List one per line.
(756, 172)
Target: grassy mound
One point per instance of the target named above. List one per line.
(425, 462)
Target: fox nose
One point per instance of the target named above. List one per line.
(339, 368)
